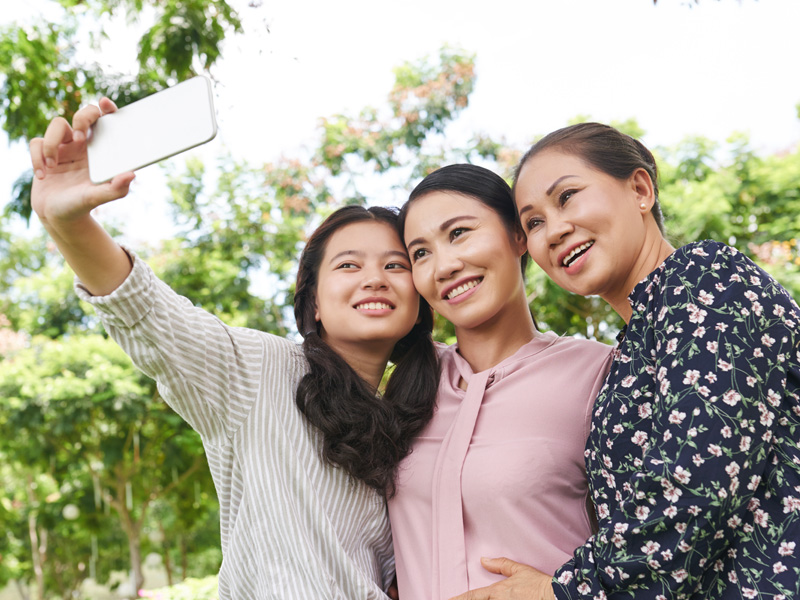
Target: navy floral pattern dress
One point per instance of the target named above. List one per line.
(694, 457)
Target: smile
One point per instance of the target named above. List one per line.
(464, 287)
(576, 253)
(373, 306)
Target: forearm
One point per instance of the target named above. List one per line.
(98, 261)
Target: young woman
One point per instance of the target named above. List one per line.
(500, 466)
(693, 457)
(302, 447)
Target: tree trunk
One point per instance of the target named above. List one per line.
(36, 551)
(23, 593)
(135, 546)
(165, 550)
(184, 556)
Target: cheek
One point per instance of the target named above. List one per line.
(420, 279)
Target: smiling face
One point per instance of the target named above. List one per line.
(365, 297)
(586, 229)
(465, 263)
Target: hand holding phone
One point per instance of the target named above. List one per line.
(151, 129)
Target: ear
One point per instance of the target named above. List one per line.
(642, 187)
(520, 242)
(316, 311)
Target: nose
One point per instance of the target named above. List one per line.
(374, 279)
(447, 264)
(557, 228)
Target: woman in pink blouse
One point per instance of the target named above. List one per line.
(499, 471)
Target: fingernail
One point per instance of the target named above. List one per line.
(50, 162)
(78, 136)
(39, 174)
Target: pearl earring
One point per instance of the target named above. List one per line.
(642, 205)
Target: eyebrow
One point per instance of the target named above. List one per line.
(547, 193)
(443, 227)
(360, 254)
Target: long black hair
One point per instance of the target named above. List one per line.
(363, 432)
(604, 148)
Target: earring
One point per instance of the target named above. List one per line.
(642, 205)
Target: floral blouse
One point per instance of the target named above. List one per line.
(694, 453)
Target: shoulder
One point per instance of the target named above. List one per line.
(581, 347)
(444, 351)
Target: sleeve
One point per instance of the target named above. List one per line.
(207, 372)
(721, 332)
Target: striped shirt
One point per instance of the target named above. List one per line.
(292, 527)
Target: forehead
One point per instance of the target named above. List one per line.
(435, 207)
(364, 236)
(551, 163)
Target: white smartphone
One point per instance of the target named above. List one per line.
(152, 129)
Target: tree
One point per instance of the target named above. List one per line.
(77, 412)
(41, 75)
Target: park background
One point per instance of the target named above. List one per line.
(320, 104)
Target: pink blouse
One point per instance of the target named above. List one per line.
(499, 471)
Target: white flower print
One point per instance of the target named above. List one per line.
(786, 548)
(651, 547)
(731, 397)
(682, 475)
(676, 417)
(705, 297)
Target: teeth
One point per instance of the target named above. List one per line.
(462, 288)
(373, 306)
(568, 258)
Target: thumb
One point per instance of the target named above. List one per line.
(501, 566)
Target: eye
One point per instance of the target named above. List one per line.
(418, 254)
(347, 265)
(566, 195)
(532, 223)
(396, 265)
(457, 232)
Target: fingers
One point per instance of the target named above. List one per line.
(84, 119)
(45, 150)
(502, 566)
(114, 189)
(37, 157)
(58, 132)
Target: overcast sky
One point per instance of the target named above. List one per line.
(679, 69)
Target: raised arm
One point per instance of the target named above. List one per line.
(63, 198)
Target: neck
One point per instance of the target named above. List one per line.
(654, 251)
(489, 344)
(367, 360)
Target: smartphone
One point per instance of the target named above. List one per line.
(152, 129)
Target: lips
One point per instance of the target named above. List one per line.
(460, 288)
(567, 258)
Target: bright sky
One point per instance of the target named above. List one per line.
(679, 69)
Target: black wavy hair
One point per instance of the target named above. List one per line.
(365, 433)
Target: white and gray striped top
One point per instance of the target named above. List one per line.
(292, 527)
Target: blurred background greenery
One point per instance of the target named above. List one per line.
(97, 473)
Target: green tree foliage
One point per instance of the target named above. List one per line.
(79, 426)
(76, 412)
(42, 76)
